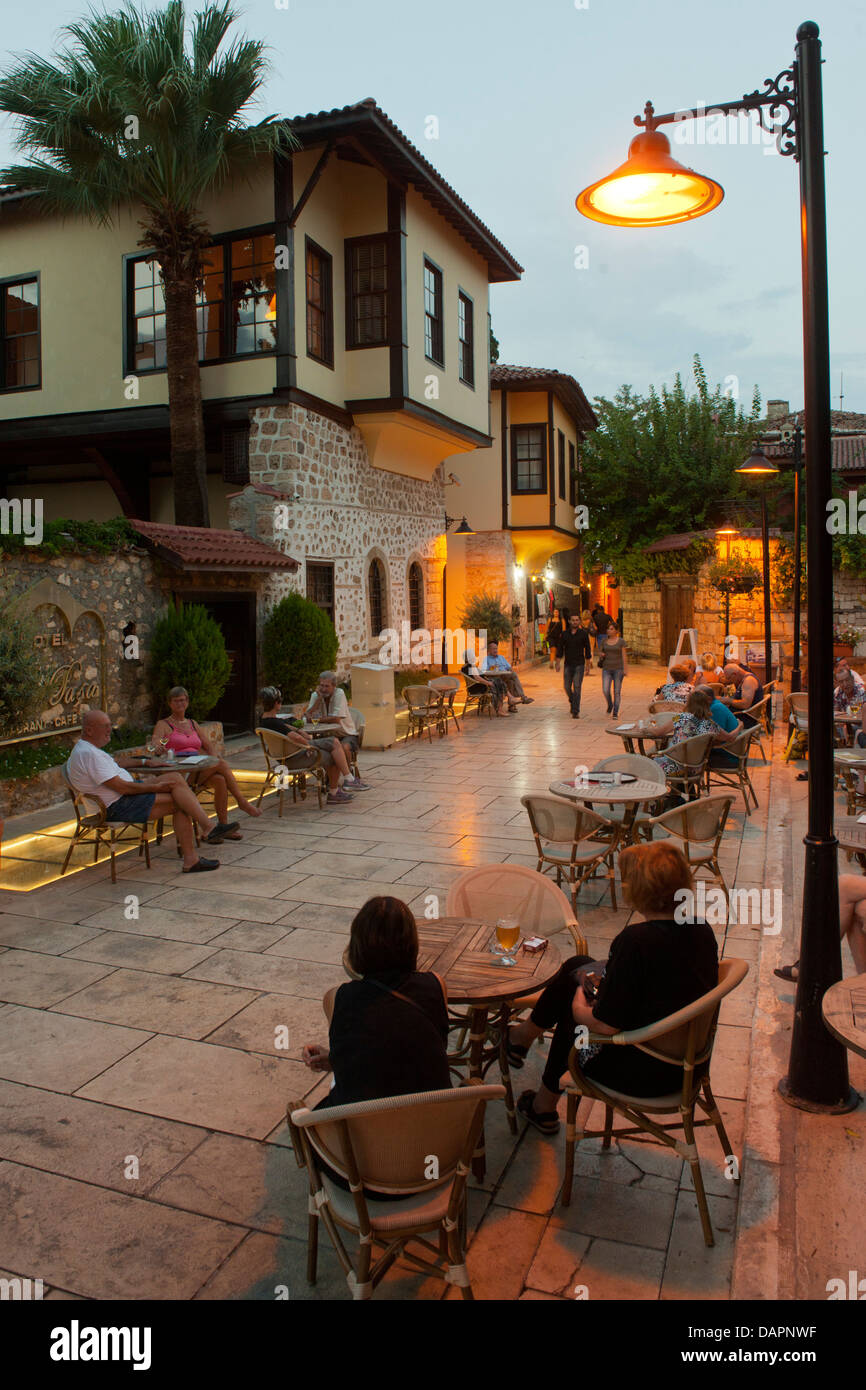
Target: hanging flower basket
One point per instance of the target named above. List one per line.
(734, 577)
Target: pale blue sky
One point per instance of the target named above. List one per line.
(535, 100)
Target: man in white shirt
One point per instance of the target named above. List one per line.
(93, 771)
(496, 665)
(328, 703)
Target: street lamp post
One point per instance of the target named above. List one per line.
(759, 465)
(796, 677)
(727, 532)
(652, 189)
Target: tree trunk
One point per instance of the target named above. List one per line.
(186, 417)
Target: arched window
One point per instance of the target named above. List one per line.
(377, 597)
(416, 596)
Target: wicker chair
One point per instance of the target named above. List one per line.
(685, 1039)
(700, 825)
(425, 710)
(477, 696)
(648, 771)
(489, 892)
(691, 757)
(798, 741)
(448, 687)
(359, 720)
(736, 776)
(658, 706)
(578, 830)
(91, 827)
(290, 766)
(385, 1146)
(762, 713)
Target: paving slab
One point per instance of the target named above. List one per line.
(159, 1003)
(57, 1052)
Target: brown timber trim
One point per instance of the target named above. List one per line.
(398, 313)
(503, 433)
(310, 184)
(287, 361)
(551, 454)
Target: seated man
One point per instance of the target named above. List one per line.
(847, 692)
(677, 687)
(496, 665)
(476, 684)
(94, 772)
(852, 924)
(329, 704)
(843, 668)
(334, 759)
(749, 692)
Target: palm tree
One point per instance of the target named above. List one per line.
(136, 113)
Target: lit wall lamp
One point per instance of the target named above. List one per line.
(464, 529)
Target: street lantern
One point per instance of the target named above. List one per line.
(727, 533)
(634, 196)
(757, 465)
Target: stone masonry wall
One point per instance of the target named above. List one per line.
(348, 513)
(490, 569)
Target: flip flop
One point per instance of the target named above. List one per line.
(789, 972)
(203, 866)
(546, 1122)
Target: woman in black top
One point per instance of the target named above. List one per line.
(658, 964)
(554, 638)
(389, 1028)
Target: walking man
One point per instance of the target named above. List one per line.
(576, 656)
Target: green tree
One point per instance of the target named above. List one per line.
(659, 463)
(188, 649)
(21, 676)
(136, 113)
(298, 643)
(485, 613)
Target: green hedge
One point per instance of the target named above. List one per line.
(26, 759)
(70, 537)
(298, 643)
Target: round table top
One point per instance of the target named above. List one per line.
(844, 1010)
(181, 765)
(604, 792)
(458, 949)
(850, 832)
(849, 755)
(646, 728)
(842, 718)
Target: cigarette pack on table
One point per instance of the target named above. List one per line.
(535, 943)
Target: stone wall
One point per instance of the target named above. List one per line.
(642, 620)
(349, 512)
(849, 606)
(490, 569)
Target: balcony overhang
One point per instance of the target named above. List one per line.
(534, 547)
(405, 437)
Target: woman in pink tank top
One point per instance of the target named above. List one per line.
(183, 735)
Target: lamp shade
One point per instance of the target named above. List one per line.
(758, 464)
(651, 189)
(464, 529)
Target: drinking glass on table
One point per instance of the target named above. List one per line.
(507, 937)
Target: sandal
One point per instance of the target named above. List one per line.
(789, 972)
(220, 831)
(546, 1122)
(203, 866)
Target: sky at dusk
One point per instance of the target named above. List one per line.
(533, 102)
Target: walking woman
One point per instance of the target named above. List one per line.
(554, 639)
(614, 667)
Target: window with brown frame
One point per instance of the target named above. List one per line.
(466, 339)
(320, 304)
(434, 336)
(560, 444)
(572, 475)
(20, 338)
(367, 289)
(529, 458)
(416, 596)
(320, 586)
(377, 597)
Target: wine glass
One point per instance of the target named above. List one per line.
(507, 936)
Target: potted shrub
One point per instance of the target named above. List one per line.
(845, 640)
(734, 576)
(188, 649)
(298, 643)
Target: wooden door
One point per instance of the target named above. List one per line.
(678, 611)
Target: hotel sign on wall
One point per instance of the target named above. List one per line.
(69, 646)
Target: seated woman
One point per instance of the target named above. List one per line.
(679, 687)
(656, 966)
(183, 735)
(389, 1028)
(709, 671)
(334, 759)
(695, 719)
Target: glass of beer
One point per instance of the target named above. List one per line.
(507, 937)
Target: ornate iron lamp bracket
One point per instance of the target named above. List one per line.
(779, 98)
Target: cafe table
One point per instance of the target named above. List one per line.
(851, 834)
(185, 766)
(629, 791)
(844, 1010)
(848, 724)
(656, 731)
(458, 949)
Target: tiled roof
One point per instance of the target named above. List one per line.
(851, 421)
(683, 539)
(200, 548)
(847, 452)
(397, 154)
(505, 376)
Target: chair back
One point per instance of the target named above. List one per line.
(448, 684)
(492, 891)
(686, 1037)
(656, 706)
(89, 809)
(693, 752)
(698, 821)
(561, 822)
(419, 697)
(279, 751)
(717, 687)
(740, 745)
(644, 768)
(761, 710)
(385, 1145)
(799, 706)
(359, 719)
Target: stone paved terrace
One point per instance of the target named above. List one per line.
(154, 1038)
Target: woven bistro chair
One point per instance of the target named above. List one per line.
(568, 838)
(736, 776)
(798, 742)
(424, 706)
(477, 696)
(448, 686)
(386, 1147)
(290, 766)
(487, 893)
(700, 826)
(762, 713)
(359, 719)
(91, 827)
(629, 817)
(685, 1039)
(658, 706)
(691, 758)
